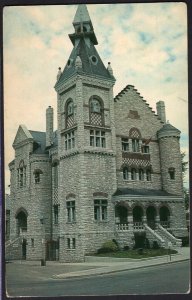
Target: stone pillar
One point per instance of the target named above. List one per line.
(130, 219)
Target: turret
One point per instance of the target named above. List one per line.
(170, 159)
(49, 126)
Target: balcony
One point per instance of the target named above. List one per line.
(165, 224)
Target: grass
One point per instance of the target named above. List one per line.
(134, 253)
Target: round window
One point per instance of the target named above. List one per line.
(94, 59)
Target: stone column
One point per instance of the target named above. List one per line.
(130, 219)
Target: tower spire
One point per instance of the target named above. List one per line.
(81, 15)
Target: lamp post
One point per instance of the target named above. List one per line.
(42, 221)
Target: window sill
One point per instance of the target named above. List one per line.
(72, 222)
(71, 249)
(101, 221)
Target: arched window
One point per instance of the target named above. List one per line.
(148, 175)
(21, 174)
(96, 111)
(141, 174)
(37, 176)
(133, 174)
(69, 113)
(125, 173)
(95, 106)
(70, 108)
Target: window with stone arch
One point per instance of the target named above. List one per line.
(69, 113)
(37, 176)
(96, 115)
(135, 137)
(21, 174)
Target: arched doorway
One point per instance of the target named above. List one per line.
(21, 218)
(164, 216)
(137, 214)
(151, 214)
(121, 214)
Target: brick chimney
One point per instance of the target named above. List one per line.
(49, 126)
(160, 106)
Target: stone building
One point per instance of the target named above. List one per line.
(111, 170)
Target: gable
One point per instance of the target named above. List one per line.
(132, 111)
(22, 135)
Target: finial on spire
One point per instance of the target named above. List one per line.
(109, 68)
(59, 73)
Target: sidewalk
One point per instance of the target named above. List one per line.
(115, 265)
(92, 266)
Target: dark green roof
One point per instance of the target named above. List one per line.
(168, 127)
(88, 67)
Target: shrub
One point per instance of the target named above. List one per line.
(109, 246)
(114, 240)
(126, 248)
(155, 245)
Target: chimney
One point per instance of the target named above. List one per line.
(49, 126)
(160, 106)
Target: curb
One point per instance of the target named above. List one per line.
(67, 276)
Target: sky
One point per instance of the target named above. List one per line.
(146, 44)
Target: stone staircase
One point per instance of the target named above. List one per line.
(164, 238)
(13, 249)
(168, 237)
(152, 235)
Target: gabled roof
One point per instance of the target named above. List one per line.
(22, 134)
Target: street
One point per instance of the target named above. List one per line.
(168, 278)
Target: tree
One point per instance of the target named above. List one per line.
(184, 164)
(185, 190)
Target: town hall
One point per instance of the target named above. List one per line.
(111, 170)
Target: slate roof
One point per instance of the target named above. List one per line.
(88, 68)
(140, 192)
(39, 141)
(168, 127)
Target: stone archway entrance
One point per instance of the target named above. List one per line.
(151, 215)
(164, 216)
(121, 214)
(137, 214)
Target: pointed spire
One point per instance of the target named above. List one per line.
(82, 14)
